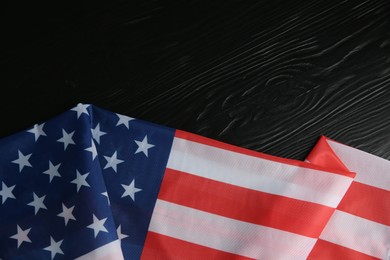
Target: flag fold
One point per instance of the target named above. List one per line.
(93, 184)
(360, 226)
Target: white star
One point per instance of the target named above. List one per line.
(52, 171)
(124, 120)
(112, 162)
(66, 138)
(6, 192)
(54, 247)
(37, 203)
(96, 133)
(130, 190)
(80, 109)
(143, 146)
(81, 180)
(37, 130)
(93, 150)
(66, 213)
(106, 195)
(119, 233)
(21, 235)
(23, 160)
(98, 225)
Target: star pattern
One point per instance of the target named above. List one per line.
(81, 109)
(37, 203)
(93, 150)
(54, 248)
(81, 180)
(112, 162)
(52, 171)
(143, 146)
(6, 192)
(37, 130)
(120, 234)
(130, 190)
(98, 225)
(67, 214)
(22, 161)
(21, 235)
(66, 138)
(124, 120)
(60, 197)
(96, 133)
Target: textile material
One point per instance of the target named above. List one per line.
(93, 184)
(224, 201)
(360, 227)
(80, 181)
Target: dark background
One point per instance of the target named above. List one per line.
(269, 75)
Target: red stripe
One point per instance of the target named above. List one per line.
(163, 247)
(367, 202)
(323, 155)
(324, 250)
(297, 216)
(233, 148)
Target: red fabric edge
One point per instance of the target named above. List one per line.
(323, 155)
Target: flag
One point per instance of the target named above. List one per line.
(93, 184)
(360, 227)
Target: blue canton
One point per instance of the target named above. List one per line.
(78, 182)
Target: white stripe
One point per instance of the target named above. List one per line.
(257, 173)
(110, 251)
(357, 233)
(370, 169)
(227, 234)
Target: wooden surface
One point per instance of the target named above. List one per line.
(268, 75)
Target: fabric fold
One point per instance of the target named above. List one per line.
(93, 184)
(360, 226)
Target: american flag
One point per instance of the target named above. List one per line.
(93, 184)
(360, 227)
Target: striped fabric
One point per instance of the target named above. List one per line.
(93, 184)
(220, 201)
(360, 227)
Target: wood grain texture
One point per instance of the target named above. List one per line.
(268, 75)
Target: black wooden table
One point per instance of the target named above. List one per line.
(267, 75)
